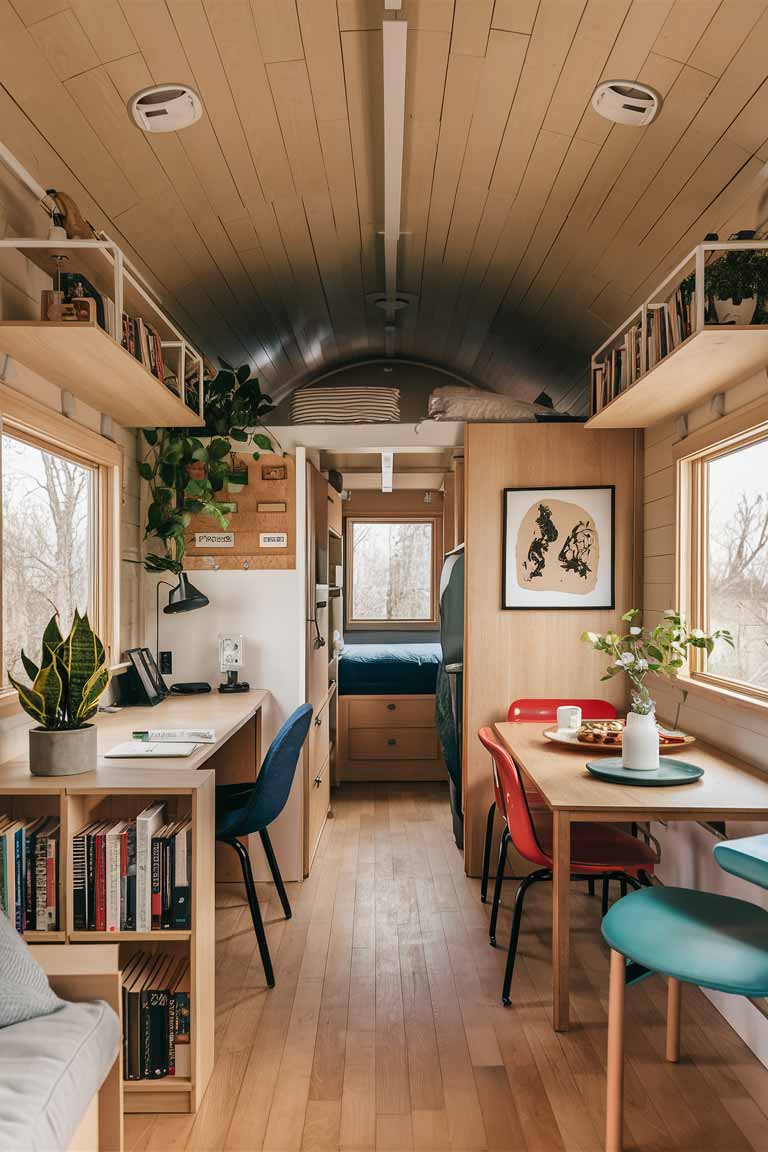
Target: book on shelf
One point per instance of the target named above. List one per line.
(143, 342)
(156, 1017)
(132, 875)
(29, 872)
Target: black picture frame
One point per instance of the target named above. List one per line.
(596, 603)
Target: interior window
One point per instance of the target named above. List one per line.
(733, 554)
(391, 566)
(49, 523)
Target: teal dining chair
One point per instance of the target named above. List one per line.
(690, 937)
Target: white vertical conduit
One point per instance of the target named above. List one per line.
(395, 33)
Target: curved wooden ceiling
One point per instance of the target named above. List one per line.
(531, 225)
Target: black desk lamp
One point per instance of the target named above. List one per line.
(183, 597)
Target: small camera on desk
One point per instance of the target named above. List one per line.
(231, 659)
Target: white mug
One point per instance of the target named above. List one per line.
(568, 717)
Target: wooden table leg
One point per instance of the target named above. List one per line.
(561, 925)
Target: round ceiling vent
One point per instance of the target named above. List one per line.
(626, 102)
(165, 107)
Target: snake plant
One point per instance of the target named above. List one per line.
(72, 676)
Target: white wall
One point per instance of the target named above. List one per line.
(687, 858)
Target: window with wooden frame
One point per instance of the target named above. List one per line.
(391, 572)
(59, 515)
(723, 550)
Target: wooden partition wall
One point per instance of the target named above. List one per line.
(509, 654)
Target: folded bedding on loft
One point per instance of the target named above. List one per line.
(389, 669)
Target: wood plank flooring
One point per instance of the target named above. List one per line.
(385, 1030)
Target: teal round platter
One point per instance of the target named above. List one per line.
(669, 774)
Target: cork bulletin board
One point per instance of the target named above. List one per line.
(261, 533)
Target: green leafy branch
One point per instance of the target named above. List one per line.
(662, 650)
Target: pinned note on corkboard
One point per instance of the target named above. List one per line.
(263, 526)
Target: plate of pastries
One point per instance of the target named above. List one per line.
(606, 736)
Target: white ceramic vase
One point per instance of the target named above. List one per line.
(640, 743)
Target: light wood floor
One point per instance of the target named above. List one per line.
(385, 1030)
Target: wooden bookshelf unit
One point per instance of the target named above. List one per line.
(707, 361)
(120, 793)
(91, 363)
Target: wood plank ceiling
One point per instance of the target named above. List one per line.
(531, 226)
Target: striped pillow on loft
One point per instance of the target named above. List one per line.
(346, 406)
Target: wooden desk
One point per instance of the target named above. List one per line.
(728, 790)
(119, 789)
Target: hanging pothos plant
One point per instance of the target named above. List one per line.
(186, 468)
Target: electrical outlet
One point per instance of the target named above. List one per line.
(166, 663)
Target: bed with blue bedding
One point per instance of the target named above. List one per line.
(388, 669)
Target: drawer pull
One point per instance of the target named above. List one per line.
(391, 743)
(391, 707)
(318, 720)
(318, 781)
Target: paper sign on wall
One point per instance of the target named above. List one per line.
(273, 539)
(214, 539)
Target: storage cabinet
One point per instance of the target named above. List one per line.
(388, 738)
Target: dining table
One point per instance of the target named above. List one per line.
(729, 790)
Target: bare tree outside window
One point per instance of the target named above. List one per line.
(737, 485)
(48, 523)
(392, 565)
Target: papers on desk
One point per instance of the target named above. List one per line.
(149, 748)
(176, 735)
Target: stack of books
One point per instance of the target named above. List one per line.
(133, 875)
(143, 342)
(156, 1016)
(29, 872)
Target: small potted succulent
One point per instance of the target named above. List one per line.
(63, 697)
(638, 653)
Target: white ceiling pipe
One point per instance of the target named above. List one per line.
(395, 34)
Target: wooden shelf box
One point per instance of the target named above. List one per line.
(705, 361)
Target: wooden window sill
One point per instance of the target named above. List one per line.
(706, 692)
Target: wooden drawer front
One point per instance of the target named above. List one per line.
(319, 802)
(334, 510)
(318, 742)
(399, 711)
(392, 744)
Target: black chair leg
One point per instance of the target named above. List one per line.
(253, 903)
(272, 861)
(487, 851)
(604, 907)
(497, 887)
(623, 886)
(514, 934)
(590, 887)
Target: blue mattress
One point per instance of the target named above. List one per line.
(388, 669)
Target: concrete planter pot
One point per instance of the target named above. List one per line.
(62, 752)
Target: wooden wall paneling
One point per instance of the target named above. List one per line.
(536, 653)
(31, 11)
(64, 44)
(294, 230)
(471, 26)
(553, 32)
(106, 27)
(30, 80)
(363, 63)
(248, 523)
(277, 24)
(727, 31)
(449, 512)
(459, 503)
(684, 27)
(515, 15)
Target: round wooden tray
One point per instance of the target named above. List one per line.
(569, 739)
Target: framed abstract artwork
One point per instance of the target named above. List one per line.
(558, 548)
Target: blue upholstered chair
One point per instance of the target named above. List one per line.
(690, 937)
(242, 809)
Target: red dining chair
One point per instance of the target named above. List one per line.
(544, 711)
(598, 851)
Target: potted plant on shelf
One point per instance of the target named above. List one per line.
(638, 653)
(735, 287)
(63, 697)
(187, 468)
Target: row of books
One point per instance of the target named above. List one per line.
(136, 335)
(29, 872)
(667, 325)
(156, 1016)
(133, 875)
